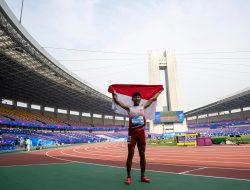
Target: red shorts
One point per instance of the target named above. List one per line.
(136, 137)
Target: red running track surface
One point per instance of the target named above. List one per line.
(216, 161)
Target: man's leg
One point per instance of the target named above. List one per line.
(141, 150)
(141, 144)
(131, 148)
(129, 160)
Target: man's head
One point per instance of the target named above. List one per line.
(136, 98)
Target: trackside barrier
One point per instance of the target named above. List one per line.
(186, 139)
(204, 141)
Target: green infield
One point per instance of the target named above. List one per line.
(78, 176)
(234, 138)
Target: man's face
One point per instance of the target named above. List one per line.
(136, 100)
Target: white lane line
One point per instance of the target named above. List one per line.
(155, 163)
(197, 166)
(72, 161)
(100, 154)
(205, 161)
(91, 156)
(155, 155)
(147, 170)
(188, 171)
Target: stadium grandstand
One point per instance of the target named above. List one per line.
(227, 116)
(43, 100)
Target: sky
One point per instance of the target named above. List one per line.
(106, 42)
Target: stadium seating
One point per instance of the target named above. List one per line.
(45, 131)
(9, 116)
(221, 128)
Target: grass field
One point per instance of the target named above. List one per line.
(241, 139)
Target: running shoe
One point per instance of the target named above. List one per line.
(144, 179)
(127, 181)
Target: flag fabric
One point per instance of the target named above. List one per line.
(124, 94)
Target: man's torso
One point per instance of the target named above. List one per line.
(137, 119)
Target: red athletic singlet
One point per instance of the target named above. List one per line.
(137, 119)
(137, 122)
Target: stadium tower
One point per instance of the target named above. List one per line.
(167, 63)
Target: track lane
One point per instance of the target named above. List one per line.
(222, 162)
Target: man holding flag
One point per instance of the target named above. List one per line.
(143, 97)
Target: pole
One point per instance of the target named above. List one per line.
(21, 12)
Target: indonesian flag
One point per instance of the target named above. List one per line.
(124, 94)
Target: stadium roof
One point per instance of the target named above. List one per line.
(29, 74)
(237, 100)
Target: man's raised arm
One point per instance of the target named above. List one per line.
(114, 95)
(151, 100)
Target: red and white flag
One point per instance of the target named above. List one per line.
(124, 94)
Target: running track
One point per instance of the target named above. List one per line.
(215, 161)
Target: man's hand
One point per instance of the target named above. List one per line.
(150, 101)
(156, 96)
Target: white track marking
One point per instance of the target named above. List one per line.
(149, 162)
(100, 154)
(188, 171)
(197, 166)
(47, 154)
(123, 144)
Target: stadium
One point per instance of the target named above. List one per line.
(79, 142)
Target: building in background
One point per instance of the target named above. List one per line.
(169, 118)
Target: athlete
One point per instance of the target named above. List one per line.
(136, 132)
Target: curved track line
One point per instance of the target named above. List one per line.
(151, 157)
(72, 161)
(100, 154)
